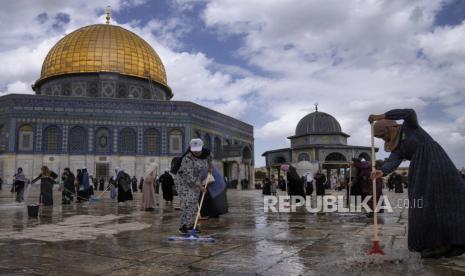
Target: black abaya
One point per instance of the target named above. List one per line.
(167, 184)
(433, 181)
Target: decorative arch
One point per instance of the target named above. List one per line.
(77, 140)
(128, 141)
(303, 157)
(365, 156)
(51, 139)
(103, 141)
(25, 138)
(335, 157)
(151, 141)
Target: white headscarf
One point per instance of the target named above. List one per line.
(151, 171)
(117, 170)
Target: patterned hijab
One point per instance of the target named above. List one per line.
(389, 131)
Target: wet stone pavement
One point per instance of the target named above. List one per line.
(102, 238)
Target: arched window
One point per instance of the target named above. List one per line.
(335, 157)
(151, 141)
(246, 155)
(217, 148)
(365, 156)
(52, 139)
(128, 141)
(77, 140)
(175, 141)
(303, 157)
(103, 141)
(26, 138)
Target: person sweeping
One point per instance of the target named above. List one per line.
(437, 227)
(188, 184)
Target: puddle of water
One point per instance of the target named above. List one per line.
(81, 227)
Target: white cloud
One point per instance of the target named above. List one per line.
(354, 57)
(18, 87)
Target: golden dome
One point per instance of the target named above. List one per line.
(104, 48)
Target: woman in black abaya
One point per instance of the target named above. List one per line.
(295, 183)
(437, 227)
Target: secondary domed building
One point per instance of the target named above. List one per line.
(319, 139)
(103, 101)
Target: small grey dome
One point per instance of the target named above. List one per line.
(317, 122)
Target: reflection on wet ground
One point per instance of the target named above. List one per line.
(102, 238)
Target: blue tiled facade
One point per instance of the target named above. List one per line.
(115, 115)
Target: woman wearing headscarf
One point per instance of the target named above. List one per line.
(47, 179)
(295, 183)
(113, 188)
(320, 181)
(123, 180)
(77, 183)
(68, 186)
(188, 182)
(362, 185)
(148, 191)
(167, 184)
(437, 227)
(84, 190)
(20, 182)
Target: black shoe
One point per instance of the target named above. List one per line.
(149, 209)
(183, 230)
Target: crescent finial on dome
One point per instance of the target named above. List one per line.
(108, 12)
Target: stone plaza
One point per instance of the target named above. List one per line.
(102, 238)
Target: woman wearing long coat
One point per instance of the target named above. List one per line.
(148, 191)
(123, 180)
(436, 191)
(188, 183)
(47, 179)
(295, 183)
(167, 184)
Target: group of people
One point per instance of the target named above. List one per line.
(81, 186)
(295, 184)
(47, 180)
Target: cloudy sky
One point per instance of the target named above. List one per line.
(267, 62)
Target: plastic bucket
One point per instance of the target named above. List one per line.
(33, 211)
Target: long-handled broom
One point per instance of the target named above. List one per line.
(92, 198)
(193, 236)
(375, 249)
